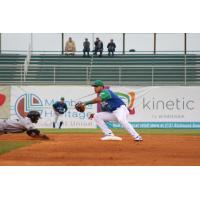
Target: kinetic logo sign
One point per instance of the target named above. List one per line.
(26, 103)
(2, 99)
(129, 100)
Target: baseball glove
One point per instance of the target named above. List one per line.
(80, 107)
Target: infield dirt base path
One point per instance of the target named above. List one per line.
(89, 150)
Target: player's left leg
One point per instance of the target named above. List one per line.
(100, 119)
(56, 116)
(121, 114)
(61, 123)
(61, 117)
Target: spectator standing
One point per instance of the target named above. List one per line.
(111, 47)
(70, 47)
(98, 47)
(86, 47)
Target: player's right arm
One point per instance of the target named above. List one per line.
(55, 107)
(35, 133)
(93, 101)
(103, 96)
(31, 130)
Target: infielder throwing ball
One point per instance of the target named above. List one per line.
(23, 124)
(113, 109)
(59, 107)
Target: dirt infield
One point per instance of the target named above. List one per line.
(88, 150)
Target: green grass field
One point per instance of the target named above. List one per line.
(122, 131)
(7, 146)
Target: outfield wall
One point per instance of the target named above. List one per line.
(151, 107)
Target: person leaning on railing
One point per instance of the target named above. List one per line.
(111, 47)
(70, 47)
(86, 47)
(98, 47)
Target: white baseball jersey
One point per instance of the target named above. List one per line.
(16, 125)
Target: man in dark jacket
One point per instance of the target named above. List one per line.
(86, 47)
(98, 47)
(111, 47)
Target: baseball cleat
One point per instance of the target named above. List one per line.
(111, 137)
(138, 139)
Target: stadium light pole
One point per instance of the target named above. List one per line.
(93, 41)
(154, 43)
(124, 37)
(62, 35)
(31, 42)
(0, 43)
(185, 43)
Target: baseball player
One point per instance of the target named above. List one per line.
(23, 124)
(60, 107)
(113, 109)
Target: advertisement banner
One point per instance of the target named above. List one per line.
(41, 98)
(162, 106)
(4, 102)
(150, 107)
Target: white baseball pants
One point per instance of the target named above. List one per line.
(58, 116)
(120, 115)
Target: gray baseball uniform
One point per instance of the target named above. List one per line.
(16, 125)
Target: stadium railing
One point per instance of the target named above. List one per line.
(141, 68)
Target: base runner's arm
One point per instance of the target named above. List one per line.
(35, 133)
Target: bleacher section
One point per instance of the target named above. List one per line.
(11, 68)
(129, 69)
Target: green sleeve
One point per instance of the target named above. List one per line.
(105, 95)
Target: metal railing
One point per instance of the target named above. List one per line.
(105, 52)
(116, 75)
(27, 61)
(126, 73)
